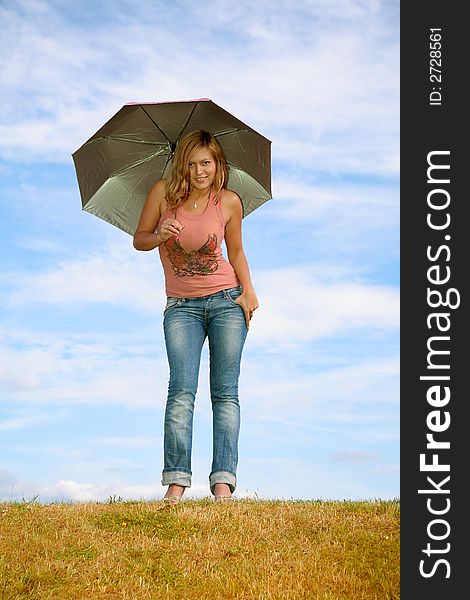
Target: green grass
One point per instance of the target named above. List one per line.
(249, 549)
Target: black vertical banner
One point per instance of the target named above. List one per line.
(435, 250)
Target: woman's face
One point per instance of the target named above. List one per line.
(202, 169)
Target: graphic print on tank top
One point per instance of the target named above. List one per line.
(193, 262)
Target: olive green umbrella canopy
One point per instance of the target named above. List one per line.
(119, 164)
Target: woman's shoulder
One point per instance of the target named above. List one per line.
(158, 192)
(229, 196)
(231, 204)
(160, 186)
(231, 201)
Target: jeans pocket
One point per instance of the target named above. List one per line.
(172, 303)
(232, 294)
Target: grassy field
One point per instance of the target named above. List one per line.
(199, 549)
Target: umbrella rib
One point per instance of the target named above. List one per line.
(227, 131)
(188, 119)
(121, 138)
(135, 164)
(167, 161)
(156, 124)
(236, 130)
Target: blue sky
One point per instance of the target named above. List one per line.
(83, 371)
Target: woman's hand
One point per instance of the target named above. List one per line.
(249, 302)
(169, 228)
(146, 237)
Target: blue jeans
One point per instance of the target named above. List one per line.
(186, 324)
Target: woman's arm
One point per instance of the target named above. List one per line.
(145, 236)
(236, 255)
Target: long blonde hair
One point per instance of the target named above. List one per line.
(178, 186)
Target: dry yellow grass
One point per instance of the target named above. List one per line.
(197, 550)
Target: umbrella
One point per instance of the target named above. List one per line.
(119, 164)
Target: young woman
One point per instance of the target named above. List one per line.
(187, 216)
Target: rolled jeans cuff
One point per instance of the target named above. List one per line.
(223, 477)
(177, 478)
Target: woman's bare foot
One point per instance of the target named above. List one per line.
(222, 490)
(174, 493)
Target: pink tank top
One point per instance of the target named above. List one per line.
(193, 262)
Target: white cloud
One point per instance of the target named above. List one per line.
(67, 371)
(116, 275)
(293, 478)
(127, 442)
(7, 480)
(23, 422)
(338, 219)
(354, 456)
(43, 368)
(358, 399)
(326, 93)
(297, 303)
(297, 307)
(68, 490)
